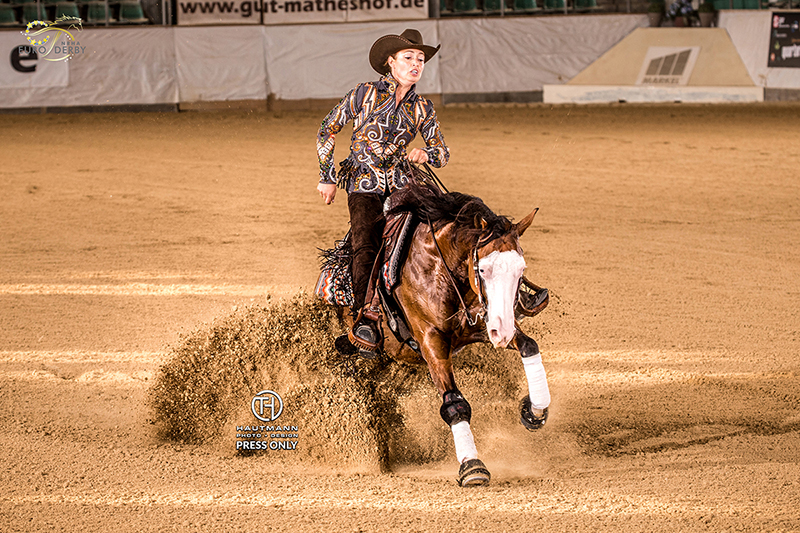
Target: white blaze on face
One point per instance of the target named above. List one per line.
(501, 272)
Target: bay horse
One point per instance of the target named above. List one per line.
(459, 285)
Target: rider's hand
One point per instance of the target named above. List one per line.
(417, 156)
(327, 191)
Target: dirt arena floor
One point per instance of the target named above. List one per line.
(668, 236)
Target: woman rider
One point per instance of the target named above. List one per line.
(387, 115)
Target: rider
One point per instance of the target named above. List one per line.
(387, 114)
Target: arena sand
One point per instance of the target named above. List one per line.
(131, 244)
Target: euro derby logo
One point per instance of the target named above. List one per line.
(47, 38)
(266, 406)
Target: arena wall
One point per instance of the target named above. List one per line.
(482, 59)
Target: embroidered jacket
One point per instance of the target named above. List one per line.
(381, 130)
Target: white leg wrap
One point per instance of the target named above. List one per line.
(465, 444)
(537, 381)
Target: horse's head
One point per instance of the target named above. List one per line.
(497, 265)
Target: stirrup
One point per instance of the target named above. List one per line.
(367, 338)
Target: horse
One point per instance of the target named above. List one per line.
(459, 285)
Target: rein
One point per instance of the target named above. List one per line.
(475, 281)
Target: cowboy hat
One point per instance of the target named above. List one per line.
(391, 44)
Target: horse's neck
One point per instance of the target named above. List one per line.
(456, 251)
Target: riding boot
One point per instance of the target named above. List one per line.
(366, 227)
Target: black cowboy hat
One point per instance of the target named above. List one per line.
(391, 44)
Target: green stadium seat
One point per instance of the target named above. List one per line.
(554, 5)
(8, 17)
(131, 13)
(96, 13)
(491, 6)
(465, 6)
(525, 5)
(68, 9)
(31, 12)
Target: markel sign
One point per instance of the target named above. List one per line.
(668, 66)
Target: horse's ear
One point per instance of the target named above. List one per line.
(523, 224)
(480, 222)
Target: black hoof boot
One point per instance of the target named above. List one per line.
(366, 337)
(531, 303)
(528, 416)
(473, 473)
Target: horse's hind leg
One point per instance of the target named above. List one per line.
(533, 408)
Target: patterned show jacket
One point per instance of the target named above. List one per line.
(380, 130)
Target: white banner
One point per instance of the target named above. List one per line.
(144, 65)
(127, 65)
(24, 65)
(327, 60)
(199, 12)
(218, 63)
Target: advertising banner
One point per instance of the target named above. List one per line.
(200, 12)
(25, 64)
(784, 40)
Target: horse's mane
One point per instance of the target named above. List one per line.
(440, 208)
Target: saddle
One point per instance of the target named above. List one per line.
(335, 283)
(396, 240)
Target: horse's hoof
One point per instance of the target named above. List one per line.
(344, 346)
(473, 473)
(531, 304)
(530, 417)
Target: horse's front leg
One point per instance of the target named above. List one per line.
(455, 410)
(533, 407)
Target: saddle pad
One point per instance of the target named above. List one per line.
(335, 284)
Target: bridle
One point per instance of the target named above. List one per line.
(476, 281)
